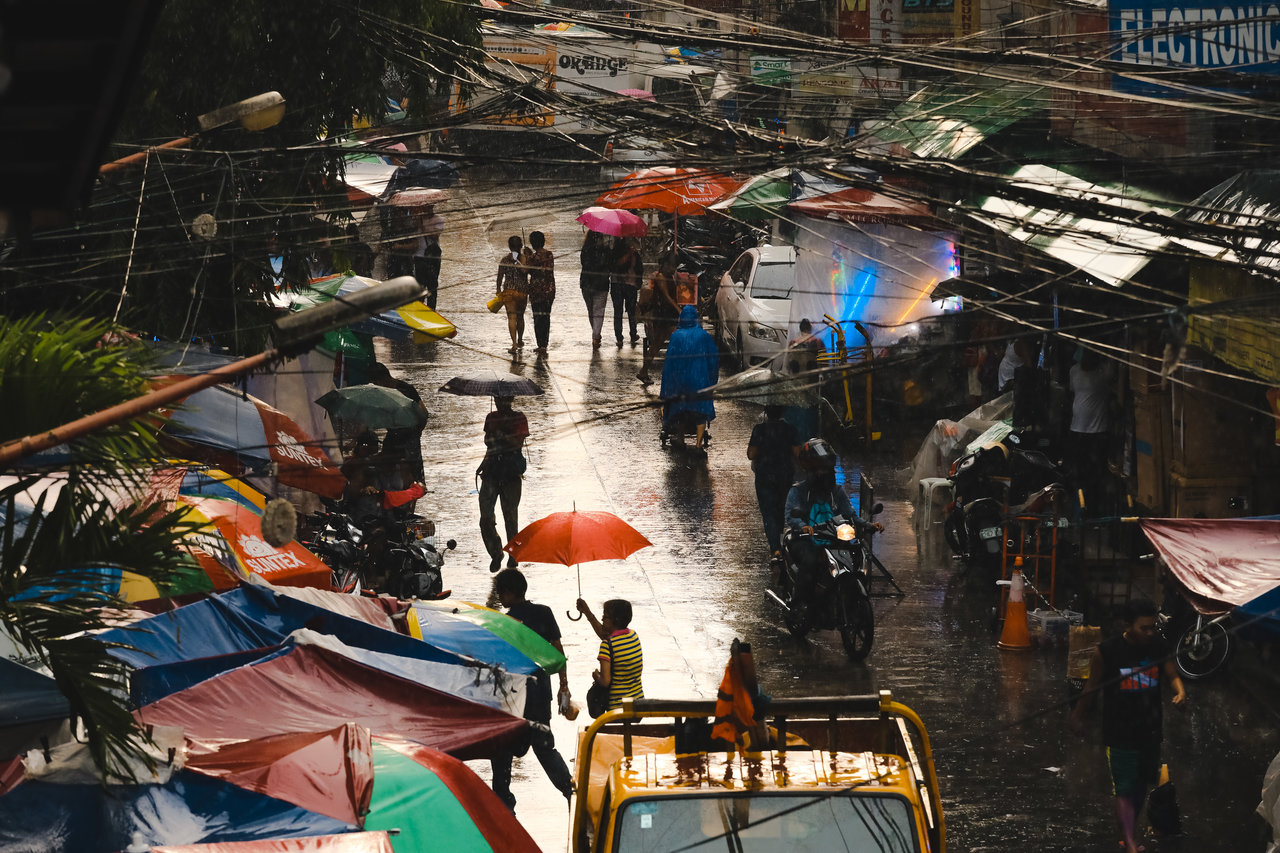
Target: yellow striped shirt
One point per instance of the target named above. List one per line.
(625, 665)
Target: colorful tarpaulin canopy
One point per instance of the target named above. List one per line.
(233, 536)
(413, 322)
(256, 434)
(1220, 562)
(484, 634)
(178, 649)
(356, 842)
(309, 688)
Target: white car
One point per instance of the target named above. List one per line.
(754, 303)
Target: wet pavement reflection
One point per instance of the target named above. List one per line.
(1013, 776)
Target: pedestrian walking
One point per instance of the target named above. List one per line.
(511, 587)
(659, 310)
(542, 288)
(1130, 672)
(691, 366)
(772, 450)
(621, 658)
(594, 281)
(500, 474)
(1090, 425)
(513, 287)
(624, 286)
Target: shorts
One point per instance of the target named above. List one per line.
(515, 301)
(1135, 770)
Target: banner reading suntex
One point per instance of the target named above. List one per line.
(1228, 36)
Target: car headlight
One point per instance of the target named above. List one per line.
(763, 332)
(846, 533)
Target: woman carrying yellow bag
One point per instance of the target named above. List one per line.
(513, 290)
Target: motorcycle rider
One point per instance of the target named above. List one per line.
(812, 501)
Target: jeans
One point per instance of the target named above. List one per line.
(541, 321)
(597, 302)
(506, 492)
(544, 747)
(624, 296)
(771, 495)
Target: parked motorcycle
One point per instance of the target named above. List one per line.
(398, 557)
(991, 484)
(840, 597)
(336, 540)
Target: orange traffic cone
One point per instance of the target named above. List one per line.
(1015, 636)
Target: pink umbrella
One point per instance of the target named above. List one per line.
(618, 223)
(642, 94)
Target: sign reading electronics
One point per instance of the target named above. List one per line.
(1233, 36)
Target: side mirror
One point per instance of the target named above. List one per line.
(877, 509)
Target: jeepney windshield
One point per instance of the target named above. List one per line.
(768, 823)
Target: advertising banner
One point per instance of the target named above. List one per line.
(886, 21)
(853, 20)
(1206, 34)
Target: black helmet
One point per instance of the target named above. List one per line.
(817, 455)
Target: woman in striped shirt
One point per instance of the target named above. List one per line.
(621, 659)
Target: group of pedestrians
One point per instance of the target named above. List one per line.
(527, 279)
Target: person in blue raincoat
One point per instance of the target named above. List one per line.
(692, 363)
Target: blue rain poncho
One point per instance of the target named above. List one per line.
(692, 364)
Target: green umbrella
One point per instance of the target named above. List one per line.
(765, 196)
(514, 633)
(373, 406)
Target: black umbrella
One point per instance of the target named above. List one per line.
(489, 383)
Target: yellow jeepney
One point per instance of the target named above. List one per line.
(849, 773)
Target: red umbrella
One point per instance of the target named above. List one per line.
(572, 538)
(669, 189)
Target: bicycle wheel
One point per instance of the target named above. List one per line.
(857, 622)
(1202, 650)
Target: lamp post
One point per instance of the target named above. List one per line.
(294, 334)
(257, 113)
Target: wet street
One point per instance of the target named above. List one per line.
(1013, 776)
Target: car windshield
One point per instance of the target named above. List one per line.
(773, 281)
(768, 823)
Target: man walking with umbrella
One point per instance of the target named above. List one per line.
(504, 464)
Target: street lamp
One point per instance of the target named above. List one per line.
(293, 335)
(257, 113)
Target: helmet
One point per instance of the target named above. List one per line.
(817, 455)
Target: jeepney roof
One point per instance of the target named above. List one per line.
(773, 770)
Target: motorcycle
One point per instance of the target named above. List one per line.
(336, 540)
(989, 485)
(398, 557)
(840, 597)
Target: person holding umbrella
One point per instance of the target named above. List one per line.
(500, 471)
(594, 281)
(621, 658)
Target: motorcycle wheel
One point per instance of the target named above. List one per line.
(857, 623)
(953, 532)
(1202, 652)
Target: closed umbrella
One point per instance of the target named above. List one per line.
(573, 538)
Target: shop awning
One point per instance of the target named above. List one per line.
(946, 121)
(1110, 243)
(1220, 562)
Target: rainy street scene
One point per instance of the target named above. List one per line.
(606, 427)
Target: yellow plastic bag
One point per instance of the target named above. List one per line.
(495, 303)
(1082, 640)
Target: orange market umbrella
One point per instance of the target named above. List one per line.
(681, 191)
(573, 538)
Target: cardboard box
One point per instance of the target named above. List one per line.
(1211, 497)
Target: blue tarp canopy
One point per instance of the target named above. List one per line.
(190, 808)
(28, 696)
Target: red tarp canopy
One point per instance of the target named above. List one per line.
(859, 205)
(310, 689)
(356, 842)
(1220, 562)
